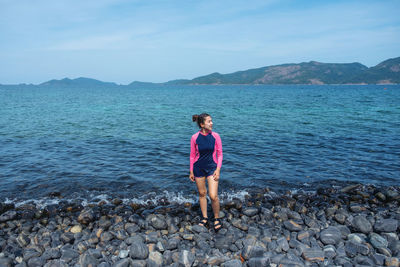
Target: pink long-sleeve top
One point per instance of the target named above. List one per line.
(205, 150)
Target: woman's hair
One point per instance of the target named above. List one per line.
(200, 118)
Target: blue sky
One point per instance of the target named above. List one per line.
(122, 41)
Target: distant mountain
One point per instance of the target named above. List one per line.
(66, 82)
(307, 73)
(297, 73)
(386, 72)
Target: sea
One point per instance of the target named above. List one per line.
(133, 143)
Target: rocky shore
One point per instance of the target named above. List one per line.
(357, 225)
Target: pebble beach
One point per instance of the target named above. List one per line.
(355, 225)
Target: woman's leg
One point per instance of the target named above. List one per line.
(201, 187)
(213, 193)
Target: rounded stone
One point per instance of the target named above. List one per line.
(386, 225)
(76, 229)
(86, 216)
(361, 224)
(331, 236)
(155, 259)
(377, 241)
(138, 250)
(250, 211)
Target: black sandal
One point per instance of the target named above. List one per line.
(203, 221)
(216, 228)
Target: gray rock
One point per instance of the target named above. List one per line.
(8, 216)
(87, 260)
(123, 263)
(120, 234)
(304, 235)
(364, 260)
(157, 221)
(67, 238)
(30, 253)
(330, 251)
(361, 224)
(350, 188)
(384, 251)
(232, 263)
(68, 255)
(138, 263)
(340, 218)
(331, 236)
(248, 246)
(152, 237)
(358, 238)
(186, 258)
(292, 262)
(259, 262)
(216, 260)
(104, 264)
(36, 262)
(378, 259)
(52, 253)
(352, 249)
(86, 216)
(380, 196)
(386, 225)
(199, 229)
(23, 240)
(173, 243)
(239, 224)
(292, 226)
(250, 211)
(167, 257)
(106, 236)
(172, 228)
(344, 230)
(56, 263)
(254, 231)
(104, 223)
(392, 195)
(96, 253)
(314, 255)
(283, 244)
(345, 262)
(131, 228)
(123, 254)
(161, 245)
(138, 250)
(299, 246)
(377, 241)
(223, 242)
(6, 262)
(395, 246)
(133, 239)
(155, 259)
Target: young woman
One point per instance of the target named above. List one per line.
(205, 164)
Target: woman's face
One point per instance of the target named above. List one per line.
(208, 124)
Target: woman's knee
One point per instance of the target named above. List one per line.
(202, 193)
(213, 197)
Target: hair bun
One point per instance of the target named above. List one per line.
(195, 117)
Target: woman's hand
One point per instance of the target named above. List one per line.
(191, 176)
(216, 174)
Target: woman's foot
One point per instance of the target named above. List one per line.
(217, 224)
(203, 221)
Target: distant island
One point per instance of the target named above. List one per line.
(387, 72)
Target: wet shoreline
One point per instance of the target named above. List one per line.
(334, 226)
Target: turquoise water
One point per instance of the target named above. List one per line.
(135, 142)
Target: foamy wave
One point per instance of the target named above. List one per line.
(166, 197)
